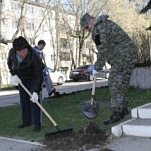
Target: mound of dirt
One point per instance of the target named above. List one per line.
(91, 137)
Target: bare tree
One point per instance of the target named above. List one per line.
(20, 27)
(143, 39)
(124, 14)
(38, 24)
(77, 8)
(3, 17)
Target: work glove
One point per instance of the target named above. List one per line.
(95, 72)
(15, 80)
(34, 97)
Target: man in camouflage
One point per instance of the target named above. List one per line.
(118, 49)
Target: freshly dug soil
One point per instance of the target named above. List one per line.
(89, 138)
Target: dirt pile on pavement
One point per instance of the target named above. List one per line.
(91, 137)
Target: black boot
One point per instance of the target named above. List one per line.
(125, 111)
(53, 91)
(24, 125)
(115, 117)
(37, 128)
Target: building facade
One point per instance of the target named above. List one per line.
(35, 20)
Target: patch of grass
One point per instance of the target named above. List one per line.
(67, 112)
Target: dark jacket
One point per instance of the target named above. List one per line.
(30, 68)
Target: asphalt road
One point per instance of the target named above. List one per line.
(11, 97)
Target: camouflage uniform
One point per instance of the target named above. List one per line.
(119, 50)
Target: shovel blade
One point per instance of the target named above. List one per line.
(90, 110)
(90, 115)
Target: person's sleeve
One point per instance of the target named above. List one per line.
(100, 62)
(38, 74)
(9, 62)
(102, 47)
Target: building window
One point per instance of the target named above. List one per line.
(14, 24)
(64, 56)
(15, 6)
(44, 1)
(40, 12)
(29, 25)
(51, 15)
(29, 9)
(3, 22)
(63, 44)
(53, 57)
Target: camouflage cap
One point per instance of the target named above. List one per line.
(84, 20)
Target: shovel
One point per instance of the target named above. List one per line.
(91, 107)
(57, 133)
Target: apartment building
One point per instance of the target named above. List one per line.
(35, 20)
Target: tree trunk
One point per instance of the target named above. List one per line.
(141, 78)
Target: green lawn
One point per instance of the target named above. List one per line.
(67, 112)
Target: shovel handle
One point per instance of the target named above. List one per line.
(93, 89)
(40, 106)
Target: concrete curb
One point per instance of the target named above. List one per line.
(8, 88)
(23, 141)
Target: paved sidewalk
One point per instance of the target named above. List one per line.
(8, 144)
(8, 92)
(129, 143)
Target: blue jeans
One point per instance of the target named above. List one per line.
(48, 83)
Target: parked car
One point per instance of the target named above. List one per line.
(56, 76)
(82, 72)
(101, 74)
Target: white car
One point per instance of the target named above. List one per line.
(56, 76)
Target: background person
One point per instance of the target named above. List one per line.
(118, 49)
(47, 80)
(26, 67)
